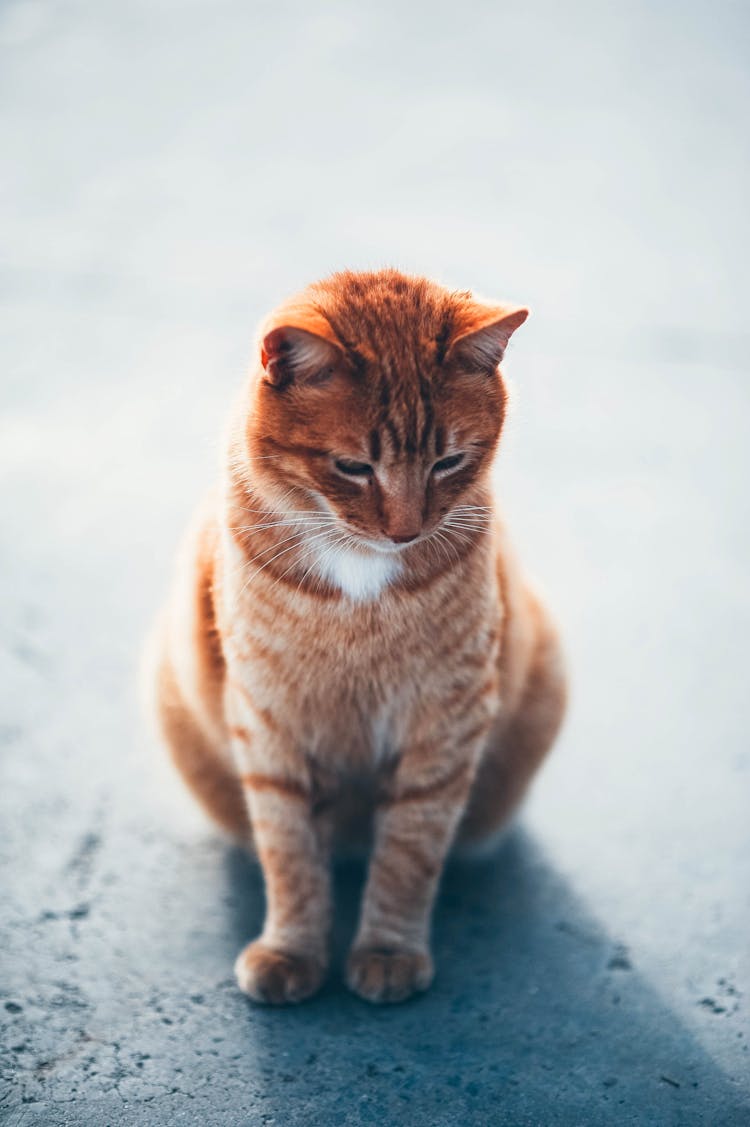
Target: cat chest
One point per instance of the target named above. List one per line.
(355, 691)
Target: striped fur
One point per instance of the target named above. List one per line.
(350, 651)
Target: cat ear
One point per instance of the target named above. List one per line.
(481, 335)
(298, 347)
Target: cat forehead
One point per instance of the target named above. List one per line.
(385, 315)
(405, 415)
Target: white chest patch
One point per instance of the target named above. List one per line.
(360, 575)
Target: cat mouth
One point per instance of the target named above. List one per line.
(384, 546)
(359, 536)
(389, 548)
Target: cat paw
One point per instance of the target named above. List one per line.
(277, 977)
(381, 974)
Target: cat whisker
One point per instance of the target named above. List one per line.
(473, 509)
(438, 549)
(285, 512)
(466, 522)
(468, 527)
(341, 542)
(299, 532)
(463, 537)
(469, 533)
(279, 524)
(257, 571)
(449, 547)
(454, 556)
(302, 529)
(259, 555)
(310, 549)
(276, 508)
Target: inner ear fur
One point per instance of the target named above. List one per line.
(481, 334)
(298, 346)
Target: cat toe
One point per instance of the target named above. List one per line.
(382, 975)
(277, 977)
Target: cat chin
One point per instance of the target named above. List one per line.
(385, 547)
(360, 574)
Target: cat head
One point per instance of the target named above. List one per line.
(377, 398)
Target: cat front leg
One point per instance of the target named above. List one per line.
(288, 961)
(415, 824)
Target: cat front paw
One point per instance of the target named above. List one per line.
(277, 977)
(380, 974)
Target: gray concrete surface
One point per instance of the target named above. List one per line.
(168, 173)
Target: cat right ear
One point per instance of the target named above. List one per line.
(291, 353)
(481, 335)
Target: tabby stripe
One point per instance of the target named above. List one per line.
(425, 392)
(298, 450)
(442, 339)
(263, 714)
(428, 867)
(354, 356)
(310, 585)
(270, 657)
(428, 790)
(375, 448)
(413, 583)
(464, 704)
(292, 893)
(266, 616)
(476, 733)
(271, 782)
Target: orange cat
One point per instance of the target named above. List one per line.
(349, 646)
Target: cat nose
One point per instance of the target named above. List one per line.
(402, 508)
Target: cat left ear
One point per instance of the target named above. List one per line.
(482, 336)
(302, 350)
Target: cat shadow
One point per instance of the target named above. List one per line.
(536, 1016)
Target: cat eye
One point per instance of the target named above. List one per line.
(353, 469)
(448, 463)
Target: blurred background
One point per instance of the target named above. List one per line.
(169, 172)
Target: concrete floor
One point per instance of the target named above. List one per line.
(169, 172)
